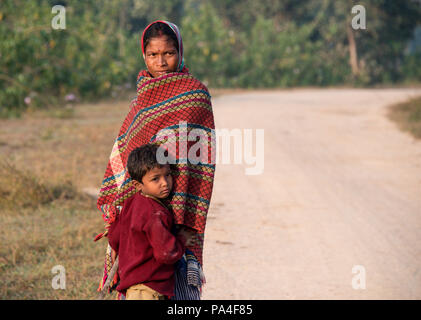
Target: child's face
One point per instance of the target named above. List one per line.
(157, 182)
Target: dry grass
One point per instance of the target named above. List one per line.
(407, 115)
(20, 189)
(35, 240)
(45, 162)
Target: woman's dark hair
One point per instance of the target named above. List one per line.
(156, 30)
(143, 159)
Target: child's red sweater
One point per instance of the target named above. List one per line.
(141, 236)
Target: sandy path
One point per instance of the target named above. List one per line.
(341, 187)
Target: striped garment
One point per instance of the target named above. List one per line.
(188, 278)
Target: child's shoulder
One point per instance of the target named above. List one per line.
(137, 204)
(140, 201)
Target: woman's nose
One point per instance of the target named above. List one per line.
(162, 61)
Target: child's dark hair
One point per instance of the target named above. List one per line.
(156, 30)
(141, 160)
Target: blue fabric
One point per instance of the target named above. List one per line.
(187, 278)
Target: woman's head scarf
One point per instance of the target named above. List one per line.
(174, 28)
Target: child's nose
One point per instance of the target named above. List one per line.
(164, 182)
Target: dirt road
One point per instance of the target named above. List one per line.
(341, 189)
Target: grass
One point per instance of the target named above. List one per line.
(20, 189)
(55, 234)
(45, 162)
(46, 224)
(407, 116)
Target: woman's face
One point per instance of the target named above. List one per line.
(161, 56)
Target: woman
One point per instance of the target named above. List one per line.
(169, 100)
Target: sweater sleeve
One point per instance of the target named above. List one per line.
(114, 234)
(167, 248)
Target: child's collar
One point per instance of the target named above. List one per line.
(154, 198)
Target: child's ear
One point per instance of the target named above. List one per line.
(138, 185)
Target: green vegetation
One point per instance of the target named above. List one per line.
(248, 44)
(408, 116)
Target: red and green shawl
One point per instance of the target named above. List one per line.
(165, 103)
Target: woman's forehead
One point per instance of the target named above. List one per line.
(160, 43)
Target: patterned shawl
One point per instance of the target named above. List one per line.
(181, 105)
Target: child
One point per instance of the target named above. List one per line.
(141, 234)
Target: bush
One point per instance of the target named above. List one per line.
(42, 65)
(407, 115)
